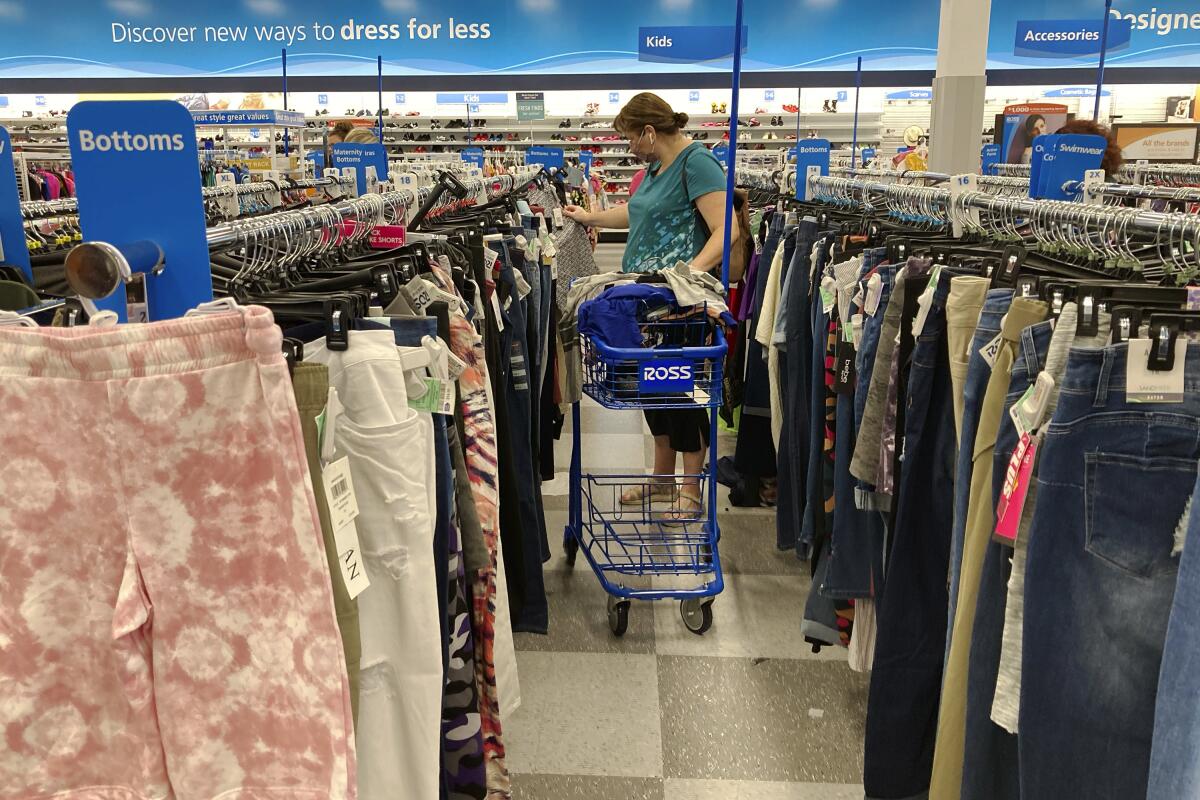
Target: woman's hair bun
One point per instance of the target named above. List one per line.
(681, 119)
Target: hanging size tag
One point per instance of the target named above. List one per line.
(327, 425)
(523, 287)
(455, 365)
(558, 218)
(1146, 386)
(419, 293)
(1029, 412)
(828, 293)
(874, 293)
(925, 301)
(856, 328)
(354, 572)
(339, 493)
(490, 258)
(438, 397)
(992, 349)
(1016, 489)
(496, 310)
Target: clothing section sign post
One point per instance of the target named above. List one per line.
(473, 155)
(812, 153)
(531, 106)
(358, 157)
(13, 249)
(138, 189)
(548, 157)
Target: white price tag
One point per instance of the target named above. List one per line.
(874, 293)
(496, 309)
(354, 572)
(339, 492)
(420, 294)
(1144, 386)
(490, 258)
(558, 218)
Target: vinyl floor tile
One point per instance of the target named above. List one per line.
(585, 787)
(586, 714)
(758, 790)
(579, 618)
(771, 720)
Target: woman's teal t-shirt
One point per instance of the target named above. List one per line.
(662, 218)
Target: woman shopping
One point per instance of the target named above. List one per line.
(682, 178)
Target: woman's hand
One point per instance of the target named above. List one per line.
(578, 214)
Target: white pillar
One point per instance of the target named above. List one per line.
(959, 86)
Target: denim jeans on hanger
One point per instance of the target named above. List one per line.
(521, 527)
(535, 333)
(990, 768)
(864, 492)
(1175, 756)
(856, 545)
(755, 451)
(902, 706)
(1113, 486)
(792, 356)
(810, 448)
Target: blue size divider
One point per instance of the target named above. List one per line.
(1061, 159)
(546, 156)
(989, 157)
(12, 229)
(137, 180)
(358, 157)
(810, 153)
(868, 155)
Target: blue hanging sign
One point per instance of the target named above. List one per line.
(769, 96)
(721, 152)
(322, 99)
(358, 157)
(1076, 91)
(810, 153)
(989, 157)
(282, 119)
(546, 156)
(693, 96)
(472, 98)
(910, 94)
(472, 155)
(683, 44)
(137, 181)
(1062, 158)
(666, 375)
(868, 155)
(318, 160)
(401, 99)
(1069, 38)
(39, 100)
(472, 108)
(12, 227)
(585, 159)
(614, 97)
(3, 101)
(843, 95)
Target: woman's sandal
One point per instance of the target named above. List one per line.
(661, 490)
(687, 507)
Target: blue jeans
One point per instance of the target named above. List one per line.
(810, 369)
(902, 705)
(755, 452)
(990, 768)
(978, 372)
(793, 435)
(1175, 755)
(1113, 483)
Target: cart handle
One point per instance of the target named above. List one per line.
(649, 354)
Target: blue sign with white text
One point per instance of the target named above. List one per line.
(666, 375)
(546, 156)
(12, 225)
(843, 96)
(614, 97)
(868, 155)
(322, 99)
(721, 153)
(585, 159)
(472, 155)
(136, 180)
(1068, 38)
(1062, 158)
(989, 157)
(682, 44)
(911, 94)
(40, 100)
(284, 119)
(400, 98)
(1076, 91)
(769, 96)
(472, 98)
(358, 157)
(810, 153)
(693, 96)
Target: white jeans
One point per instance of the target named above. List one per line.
(390, 448)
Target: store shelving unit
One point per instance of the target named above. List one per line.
(251, 130)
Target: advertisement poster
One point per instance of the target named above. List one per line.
(1174, 142)
(1024, 123)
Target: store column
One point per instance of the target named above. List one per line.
(959, 85)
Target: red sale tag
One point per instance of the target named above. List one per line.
(1016, 489)
(382, 237)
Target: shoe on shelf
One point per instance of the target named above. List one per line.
(724, 107)
(714, 108)
(791, 108)
(413, 114)
(760, 111)
(566, 123)
(833, 106)
(754, 123)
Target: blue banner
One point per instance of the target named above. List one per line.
(683, 44)
(1068, 38)
(546, 156)
(1075, 91)
(12, 226)
(472, 98)
(284, 119)
(136, 180)
(911, 94)
(358, 157)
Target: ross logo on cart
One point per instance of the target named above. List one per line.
(667, 375)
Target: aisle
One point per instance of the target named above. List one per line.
(746, 712)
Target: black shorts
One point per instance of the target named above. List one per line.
(687, 428)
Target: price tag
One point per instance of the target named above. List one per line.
(523, 287)
(874, 293)
(828, 293)
(992, 349)
(490, 258)
(1028, 412)
(339, 492)
(354, 573)
(496, 309)
(558, 218)
(1145, 386)
(1016, 489)
(419, 293)
(438, 397)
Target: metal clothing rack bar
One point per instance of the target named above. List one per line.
(70, 205)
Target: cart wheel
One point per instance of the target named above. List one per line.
(570, 549)
(697, 614)
(618, 615)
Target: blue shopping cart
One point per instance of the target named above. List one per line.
(640, 552)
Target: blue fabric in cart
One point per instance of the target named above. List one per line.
(615, 316)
